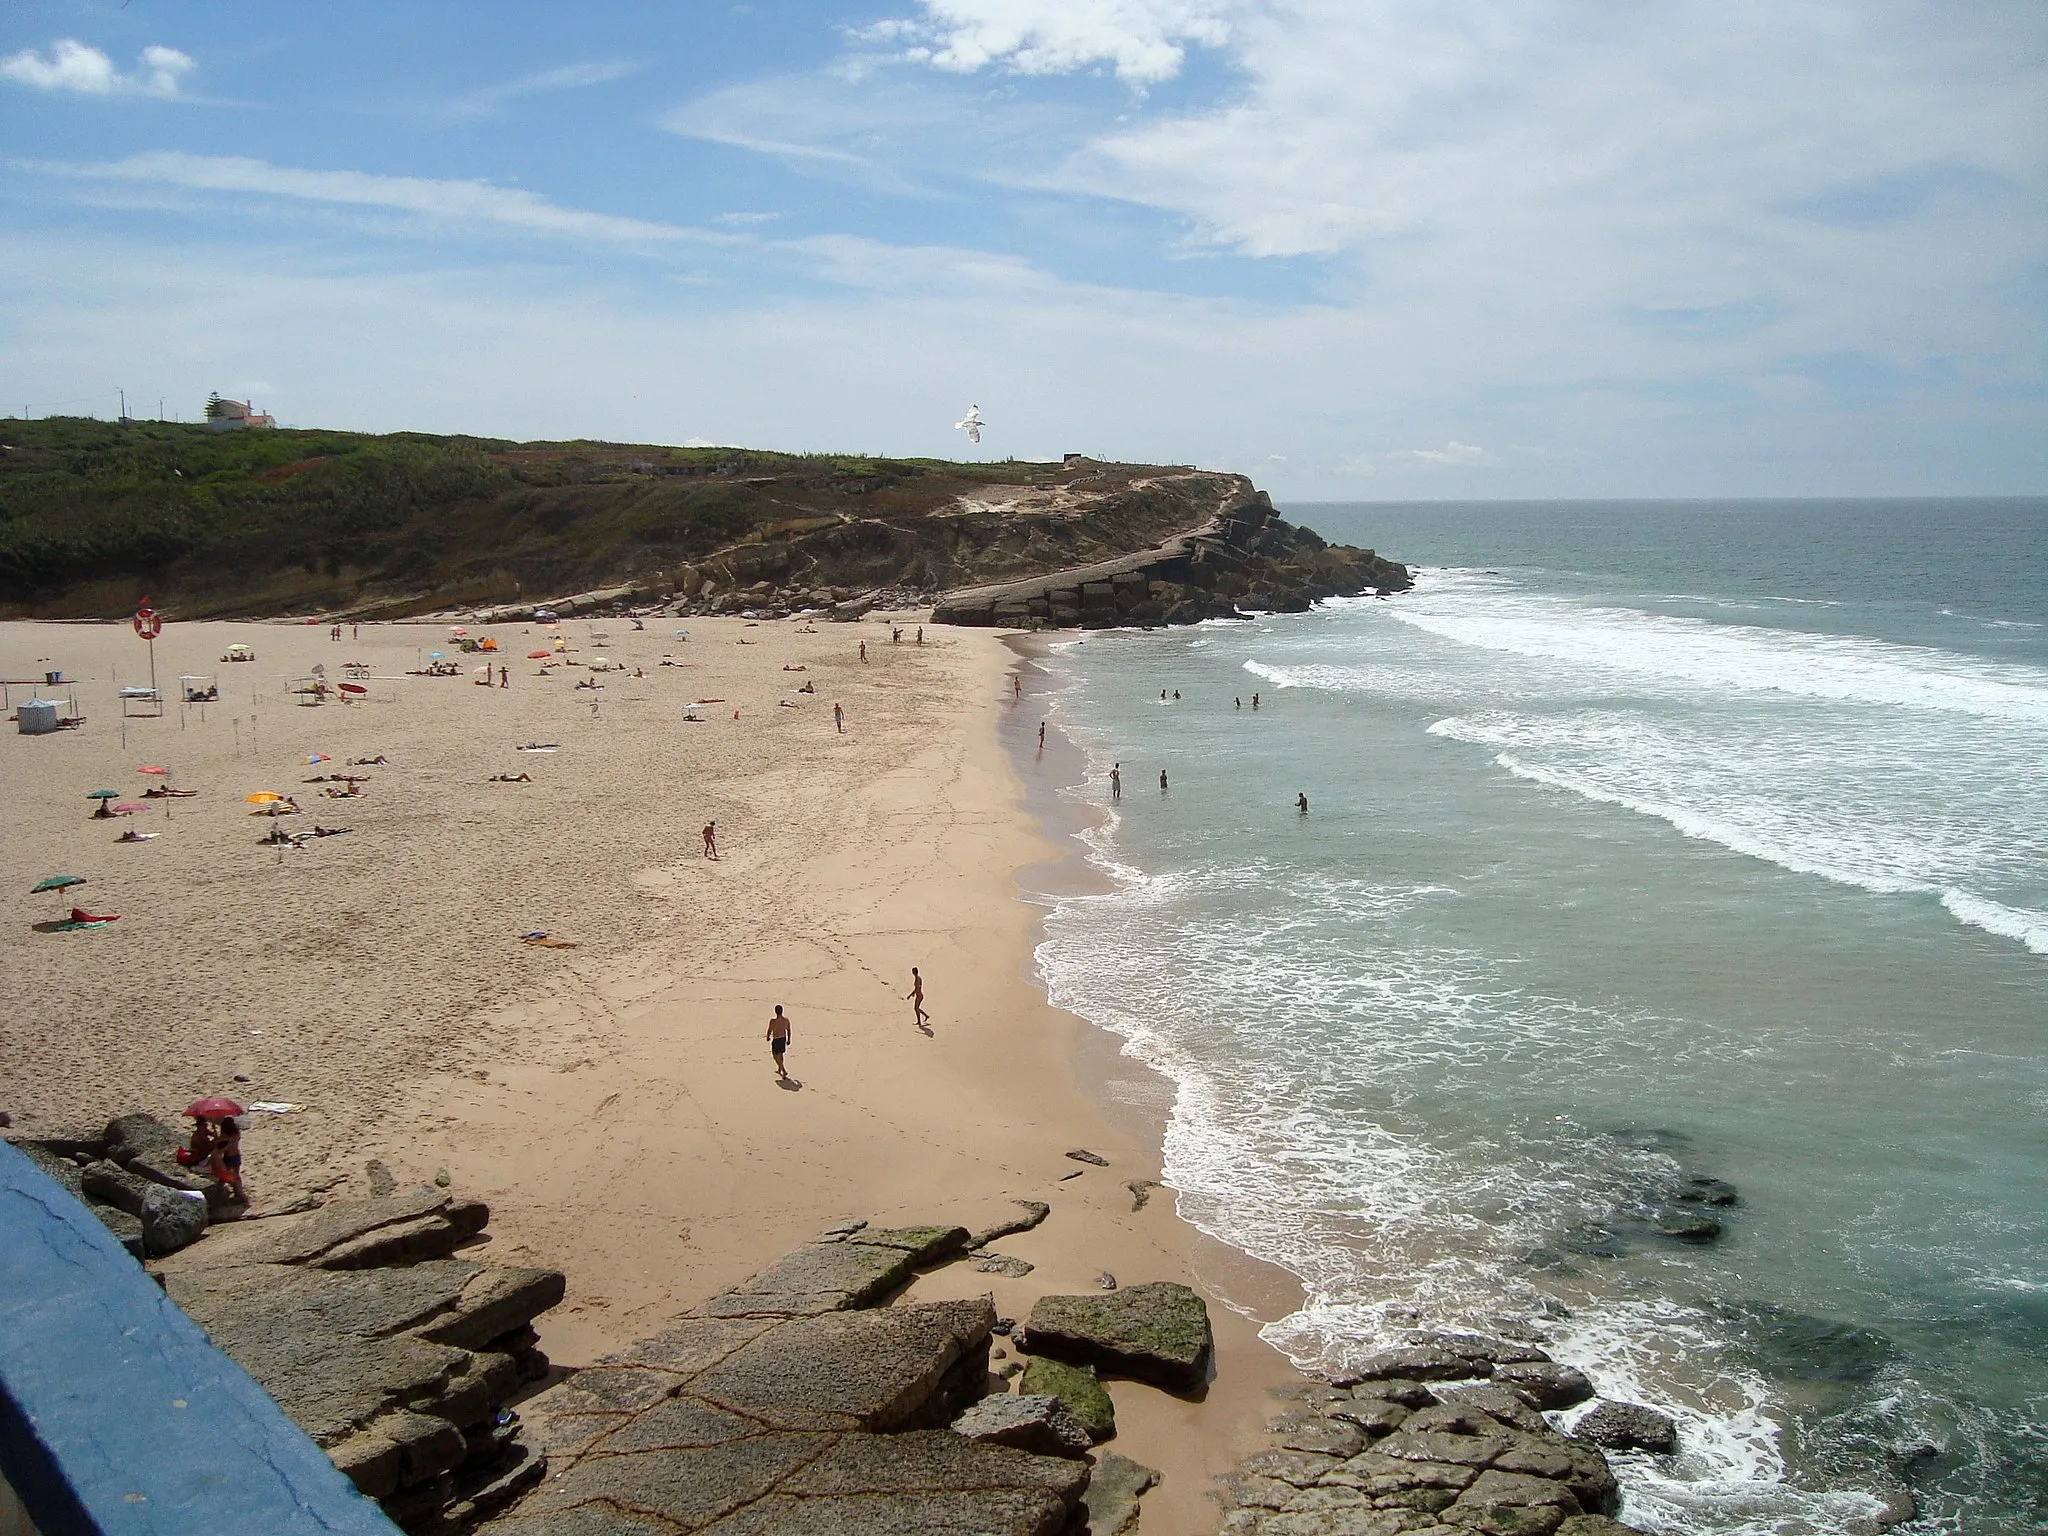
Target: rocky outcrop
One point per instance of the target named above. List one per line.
(1629, 1427)
(1381, 1453)
(807, 1419)
(398, 1359)
(1078, 1388)
(1157, 1332)
(1242, 556)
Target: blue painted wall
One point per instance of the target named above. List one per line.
(118, 1416)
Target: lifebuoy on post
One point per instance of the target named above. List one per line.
(148, 622)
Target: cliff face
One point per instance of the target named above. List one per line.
(1090, 546)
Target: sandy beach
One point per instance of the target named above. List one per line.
(614, 1102)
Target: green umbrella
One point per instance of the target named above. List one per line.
(56, 883)
(103, 794)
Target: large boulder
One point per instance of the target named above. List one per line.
(1035, 1421)
(1545, 1386)
(1113, 1493)
(1628, 1427)
(1157, 1332)
(145, 1146)
(171, 1219)
(1078, 1388)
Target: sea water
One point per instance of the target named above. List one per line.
(1643, 842)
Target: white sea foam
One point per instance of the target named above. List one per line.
(1591, 639)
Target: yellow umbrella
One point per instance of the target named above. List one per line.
(263, 797)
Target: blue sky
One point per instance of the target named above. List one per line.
(1354, 248)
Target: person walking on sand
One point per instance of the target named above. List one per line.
(225, 1161)
(778, 1040)
(839, 718)
(710, 839)
(915, 997)
(504, 677)
(863, 651)
(1116, 781)
(1016, 686)
(920, 634)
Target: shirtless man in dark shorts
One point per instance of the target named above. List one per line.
(778, 1039)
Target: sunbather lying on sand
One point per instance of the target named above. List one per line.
(511, 778)
(543, 941)
(278, 835)
(165, 792)
(378, 761)
(132, 836)
(319, 831)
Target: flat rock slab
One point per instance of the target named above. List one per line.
(878, 1370)
(822, 1277)
(1033, 1421)
(1113, 1493)
(350, 1234)
(1157, 1332)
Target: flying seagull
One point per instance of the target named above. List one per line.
(970, 424)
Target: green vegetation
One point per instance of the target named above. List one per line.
(94, 514)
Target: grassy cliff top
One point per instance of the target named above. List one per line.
(94, 514)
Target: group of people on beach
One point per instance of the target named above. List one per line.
(780, 1029)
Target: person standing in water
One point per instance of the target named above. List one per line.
(915, 997)
(1301, 802)
(778, 1040)
(1041, 735)
(1162, 781)
(1255, 702)
(1116, 781)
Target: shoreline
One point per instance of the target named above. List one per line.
(612, 1103)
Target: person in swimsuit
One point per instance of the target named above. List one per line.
(710, 839)
(1162, 781)
(915, 997)
(778, 1039)
(1041, 735)
(1116, 781)
(1301, 802)
(198, 1152)
(225, 1163)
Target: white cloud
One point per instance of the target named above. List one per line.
(1141, 39)
(466, 202)
(75, 66)
(487, 101)
(1453, 452)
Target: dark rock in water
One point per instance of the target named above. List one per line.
(1076, 1386)
(1113, 1492)
(1479, 1346)
(1497, 1402)
(1589, 1239)
(1035, 1421)
(1415, 1364)
(1595, 1525)
(1628, 1427)
(1157, 1332)
(1807, 1348)
(1579, 1467)
(1699, 1190)
(1688, 1226)
(1083, 1155)
(1546, 1386)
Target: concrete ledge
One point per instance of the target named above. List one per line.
(117, 1416)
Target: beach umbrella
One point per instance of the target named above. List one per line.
(536, 655)
(103, 794)
(263, 797)
(434, 655)
(458, 634)
(317, 757)
(217, 1107)
(56, 883)
(151, 768)
(353, 688)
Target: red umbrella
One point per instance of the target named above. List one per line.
(536, 655)
(153, 769)
(215, 1108)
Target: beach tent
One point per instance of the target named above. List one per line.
(239, 653)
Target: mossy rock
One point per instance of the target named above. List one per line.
(1158, 1332)
(925, 1245)
(1076, 1386)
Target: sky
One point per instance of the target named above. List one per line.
(1356, 249)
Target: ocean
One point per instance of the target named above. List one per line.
(1644, 842)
